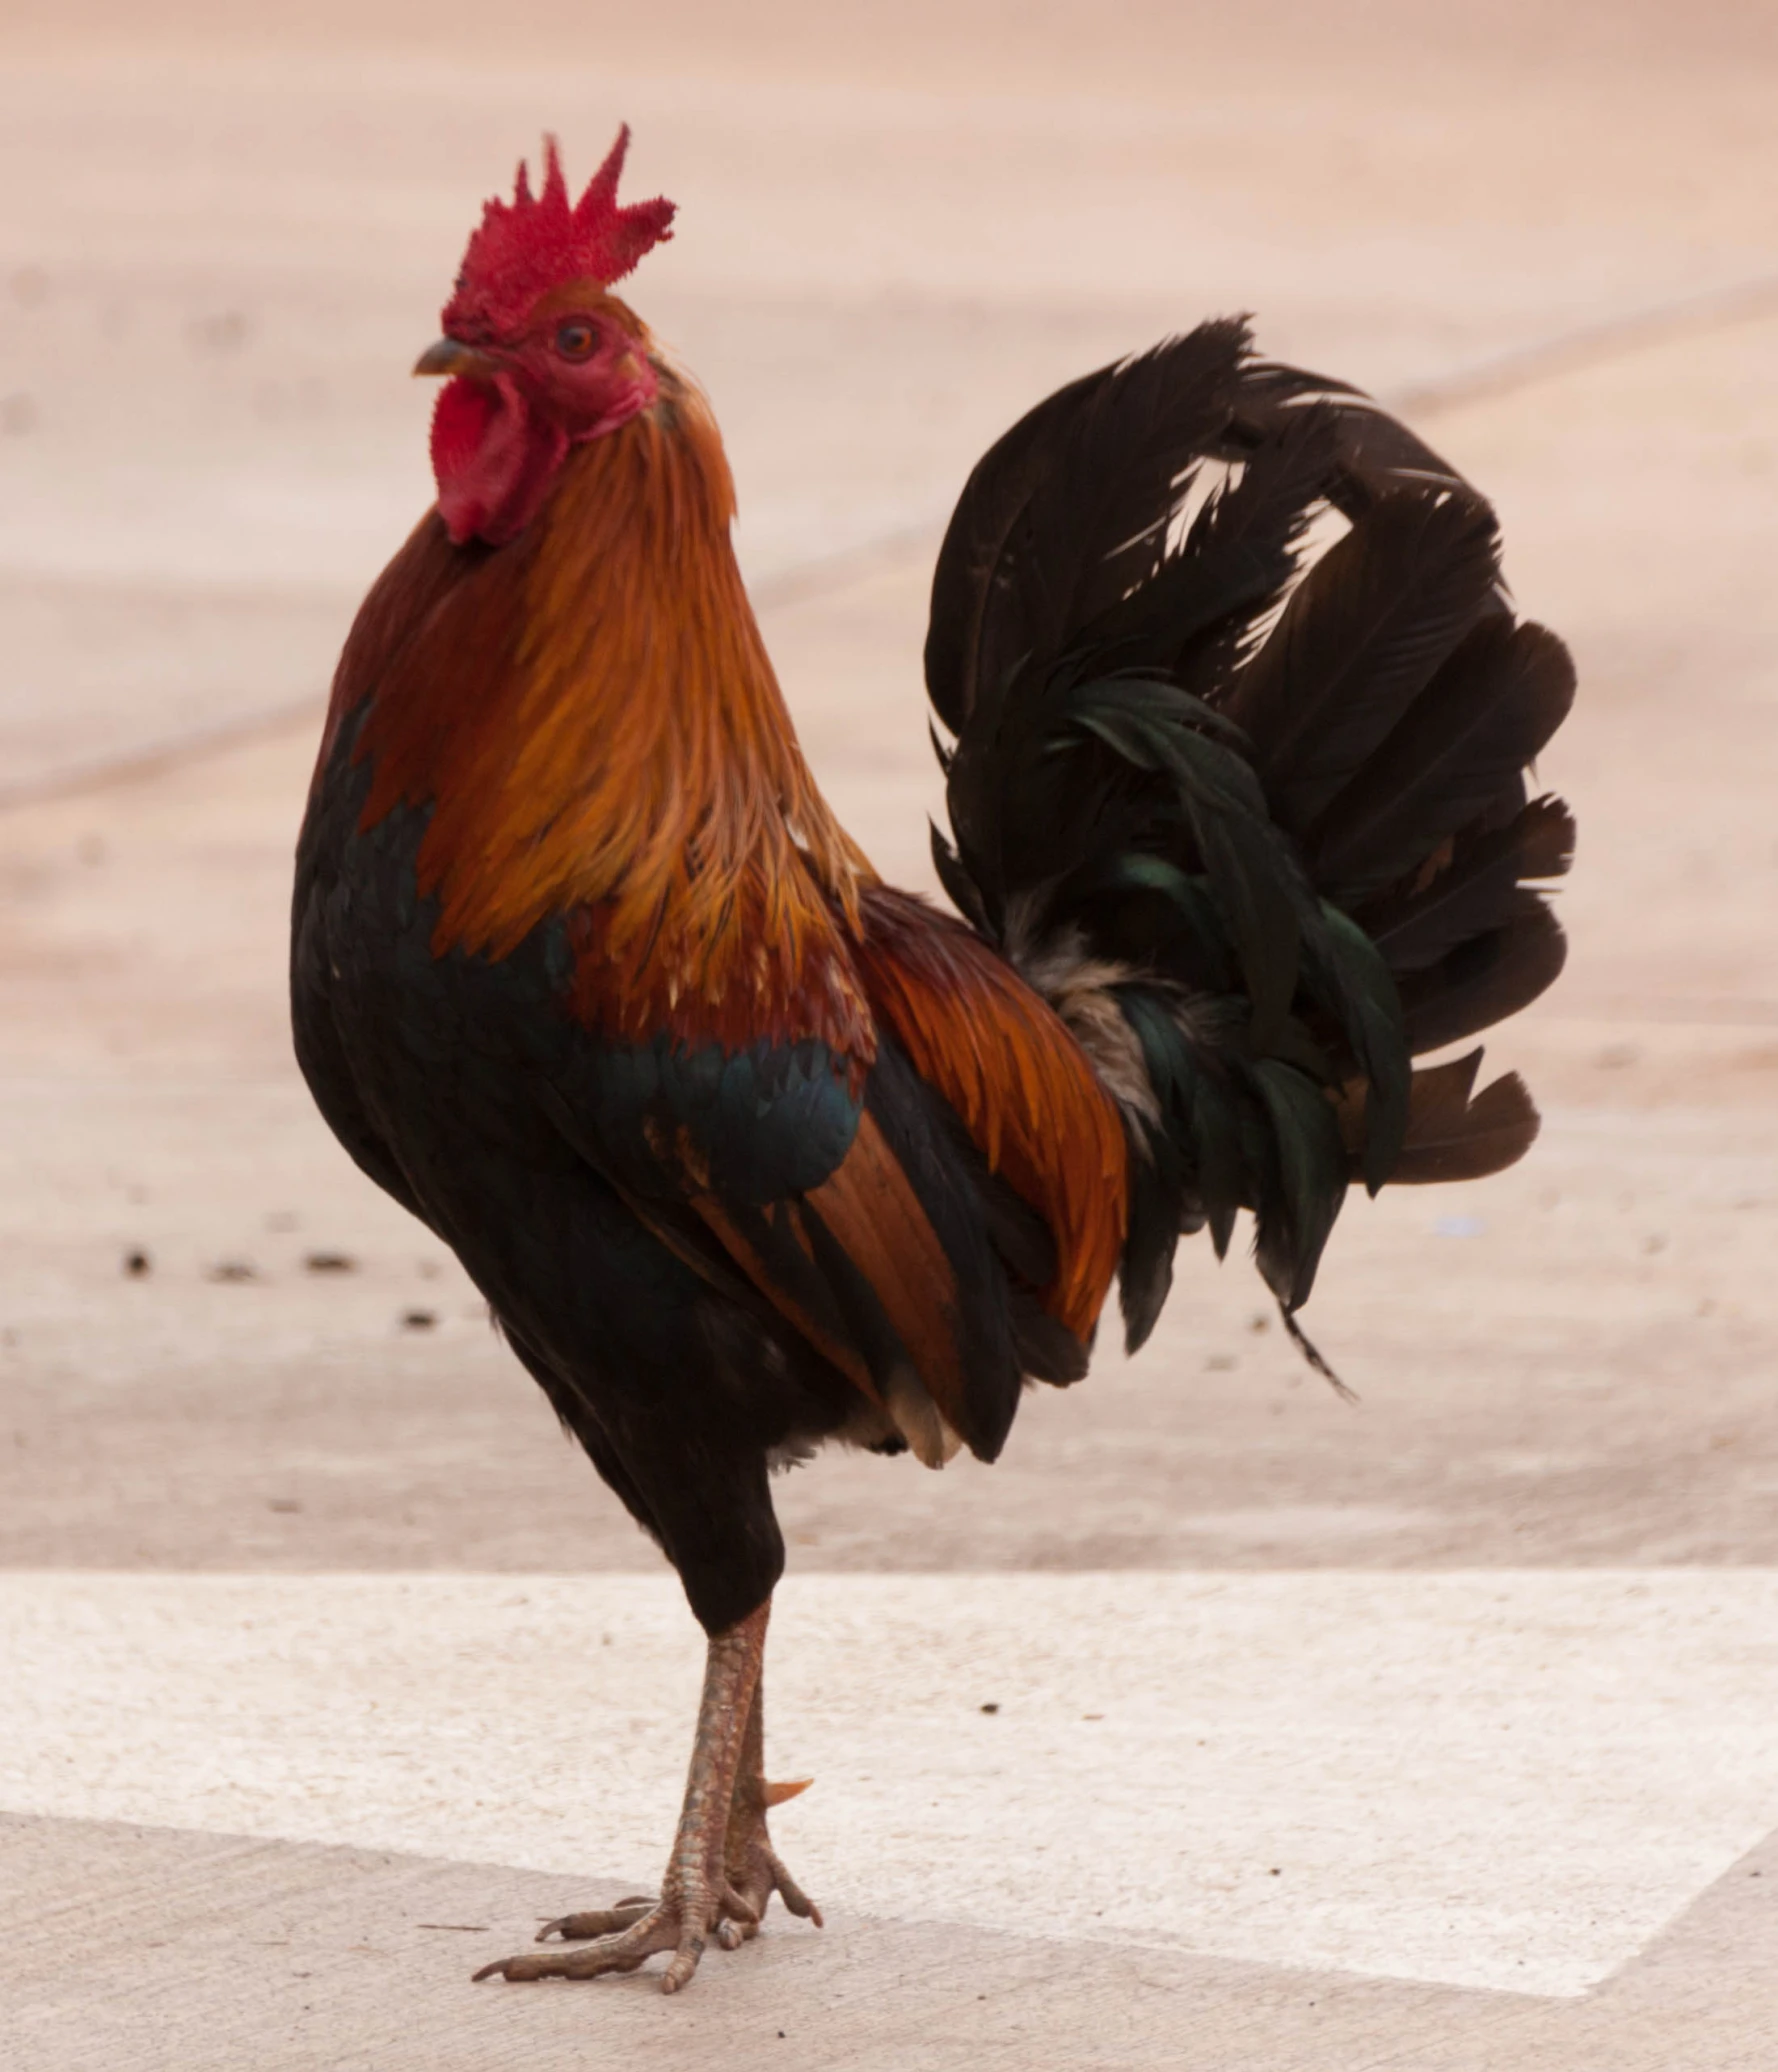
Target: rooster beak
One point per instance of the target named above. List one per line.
(449, 356)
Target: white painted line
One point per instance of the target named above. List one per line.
(1503, 1779)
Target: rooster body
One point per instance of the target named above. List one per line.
(749, 1151)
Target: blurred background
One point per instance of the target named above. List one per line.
(1548, 234)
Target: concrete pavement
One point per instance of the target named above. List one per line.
(1334, 1770)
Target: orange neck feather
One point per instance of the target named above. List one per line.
(593, 716)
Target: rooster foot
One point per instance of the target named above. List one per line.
(723, 1870)
(603, 1921)
(753, 1869)
(629, 1934)
(752, 1872)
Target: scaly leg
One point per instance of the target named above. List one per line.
(754, 1870)
(722, 1869)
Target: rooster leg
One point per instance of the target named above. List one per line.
(698, 1890)
(753, 1868)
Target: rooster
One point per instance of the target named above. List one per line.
(749, 1151)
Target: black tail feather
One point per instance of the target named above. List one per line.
(1467, 893)
(1454, 753)
(1067, 513)
(1453, 1133)
(1486, 979)
(1361, 638)
(1306, 853)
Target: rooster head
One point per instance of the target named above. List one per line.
(541, 355)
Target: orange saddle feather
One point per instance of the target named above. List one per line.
(1005, 1061)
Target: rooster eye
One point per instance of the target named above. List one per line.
(575, 341)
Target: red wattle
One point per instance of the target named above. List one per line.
(493, 459)
(459, 418)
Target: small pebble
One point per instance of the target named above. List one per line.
(136, 1264)
(225, 332)
(990, 1708)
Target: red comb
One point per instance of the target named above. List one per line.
(533, 243)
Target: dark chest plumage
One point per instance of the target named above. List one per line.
(463, 1085)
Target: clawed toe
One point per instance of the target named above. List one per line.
(605, 1921)
(643, 1935)
(622, 1938)
(791, 1893)
(752, 1882)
